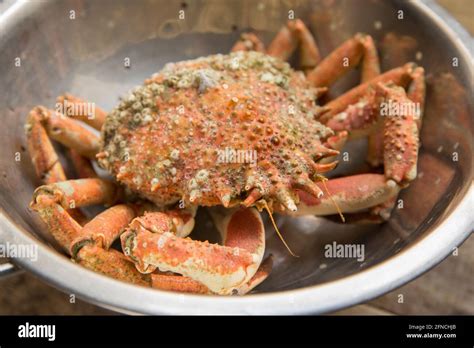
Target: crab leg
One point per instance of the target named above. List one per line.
(337, 141)
(105, 228)
(400, 128)
(82, 165)
(91, 246)
(235, 233)
(309, 51)
(222, 269)
(295, 34)
(43, 124)
(345, 57)
(358, 119)
(262, 273)
(111, 263)
(182, 220)
(400, 135)
(416, 93)
(283, 44)
(44, 157)
(86, 244)
(71, 134)
(362, 118)
(370, 60)
(375, 145)
(400, 76)
(173, 282)
(79, 108)
(66, 131)
(80, 192)
(400, 138)
(248, 42)
(51, 202)
(375, 138)
(370, 70)
(351, 194)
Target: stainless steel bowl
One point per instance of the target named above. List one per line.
(85, 56)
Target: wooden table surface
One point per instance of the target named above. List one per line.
(446, 289)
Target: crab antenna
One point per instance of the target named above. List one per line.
(277, 230)
(323, 180)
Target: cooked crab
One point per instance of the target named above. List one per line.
(165, 141)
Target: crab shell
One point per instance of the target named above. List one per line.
(210, 130)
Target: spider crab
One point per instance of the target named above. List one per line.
(163, 140)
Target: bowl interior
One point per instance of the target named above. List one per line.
(81, 47)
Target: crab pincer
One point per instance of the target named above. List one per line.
(151, 242)
(350, 194)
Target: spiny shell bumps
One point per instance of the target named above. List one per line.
(212, 130)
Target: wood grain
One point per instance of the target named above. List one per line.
(462, 10)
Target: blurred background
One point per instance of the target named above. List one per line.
(446, 289)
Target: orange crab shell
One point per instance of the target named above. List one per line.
(211, 130)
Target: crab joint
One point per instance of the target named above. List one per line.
(221, 268)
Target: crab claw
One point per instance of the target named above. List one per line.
(151, 242)
(173, 282)
(349, 194)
